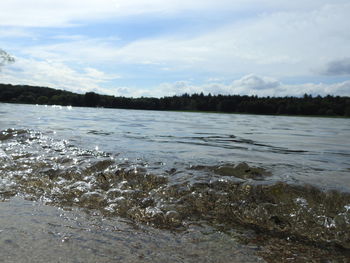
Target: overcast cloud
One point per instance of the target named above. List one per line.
(338, 67)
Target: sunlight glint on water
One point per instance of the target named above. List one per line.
(171, 171)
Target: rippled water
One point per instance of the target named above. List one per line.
(149, 186)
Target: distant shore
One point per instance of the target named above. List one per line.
(307, 106)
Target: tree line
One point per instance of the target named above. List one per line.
(306, 105)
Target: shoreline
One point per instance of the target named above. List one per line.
(186, 111)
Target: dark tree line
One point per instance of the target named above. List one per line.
(306, 105)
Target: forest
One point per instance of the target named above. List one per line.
(306, 105)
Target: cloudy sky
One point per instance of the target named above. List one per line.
(166, 47)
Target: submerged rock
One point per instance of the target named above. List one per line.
(304, 212)
(242, 170)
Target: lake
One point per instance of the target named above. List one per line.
(104, 185)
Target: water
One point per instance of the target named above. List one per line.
(87, 185)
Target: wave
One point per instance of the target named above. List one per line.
(56, 172)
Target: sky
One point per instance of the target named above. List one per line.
(162, 48)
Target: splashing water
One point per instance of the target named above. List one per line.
(276, 217)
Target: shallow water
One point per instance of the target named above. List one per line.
(145, 185)
(32, 232)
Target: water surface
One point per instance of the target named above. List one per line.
(218, 187)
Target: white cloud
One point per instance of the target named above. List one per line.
(250, 85)
(99, 75)
(288, 43)
(77, 48)
(56, 75)
(53, 13)
(253, 82)
(283, 43)
(274, 38)
(11, 32)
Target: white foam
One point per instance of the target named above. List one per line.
(4, 156)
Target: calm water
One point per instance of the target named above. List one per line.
(148, 186)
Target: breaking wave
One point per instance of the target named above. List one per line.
(56, 172)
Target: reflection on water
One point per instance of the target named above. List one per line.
(247, 188)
